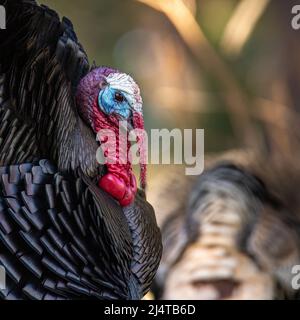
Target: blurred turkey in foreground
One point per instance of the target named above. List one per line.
(234, 233)
(61, 236)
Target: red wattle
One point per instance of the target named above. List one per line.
(113, 185)
(130, 192)
(128, 198)
(118, 189)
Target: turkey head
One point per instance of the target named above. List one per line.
(106, 97)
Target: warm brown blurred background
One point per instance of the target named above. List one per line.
(228, 66)
(212, 64)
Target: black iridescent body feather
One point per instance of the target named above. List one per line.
(61, 236)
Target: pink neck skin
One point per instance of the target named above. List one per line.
(119, 181)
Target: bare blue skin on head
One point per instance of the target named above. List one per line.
(113, 101)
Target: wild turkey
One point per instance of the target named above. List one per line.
(61, 235)
(235, 232)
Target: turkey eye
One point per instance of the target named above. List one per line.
(119, 97)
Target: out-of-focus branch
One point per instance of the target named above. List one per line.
(192, 35)
(279, 118)
(191, 5)
(241, 25)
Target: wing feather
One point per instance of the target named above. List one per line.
(41, 64)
